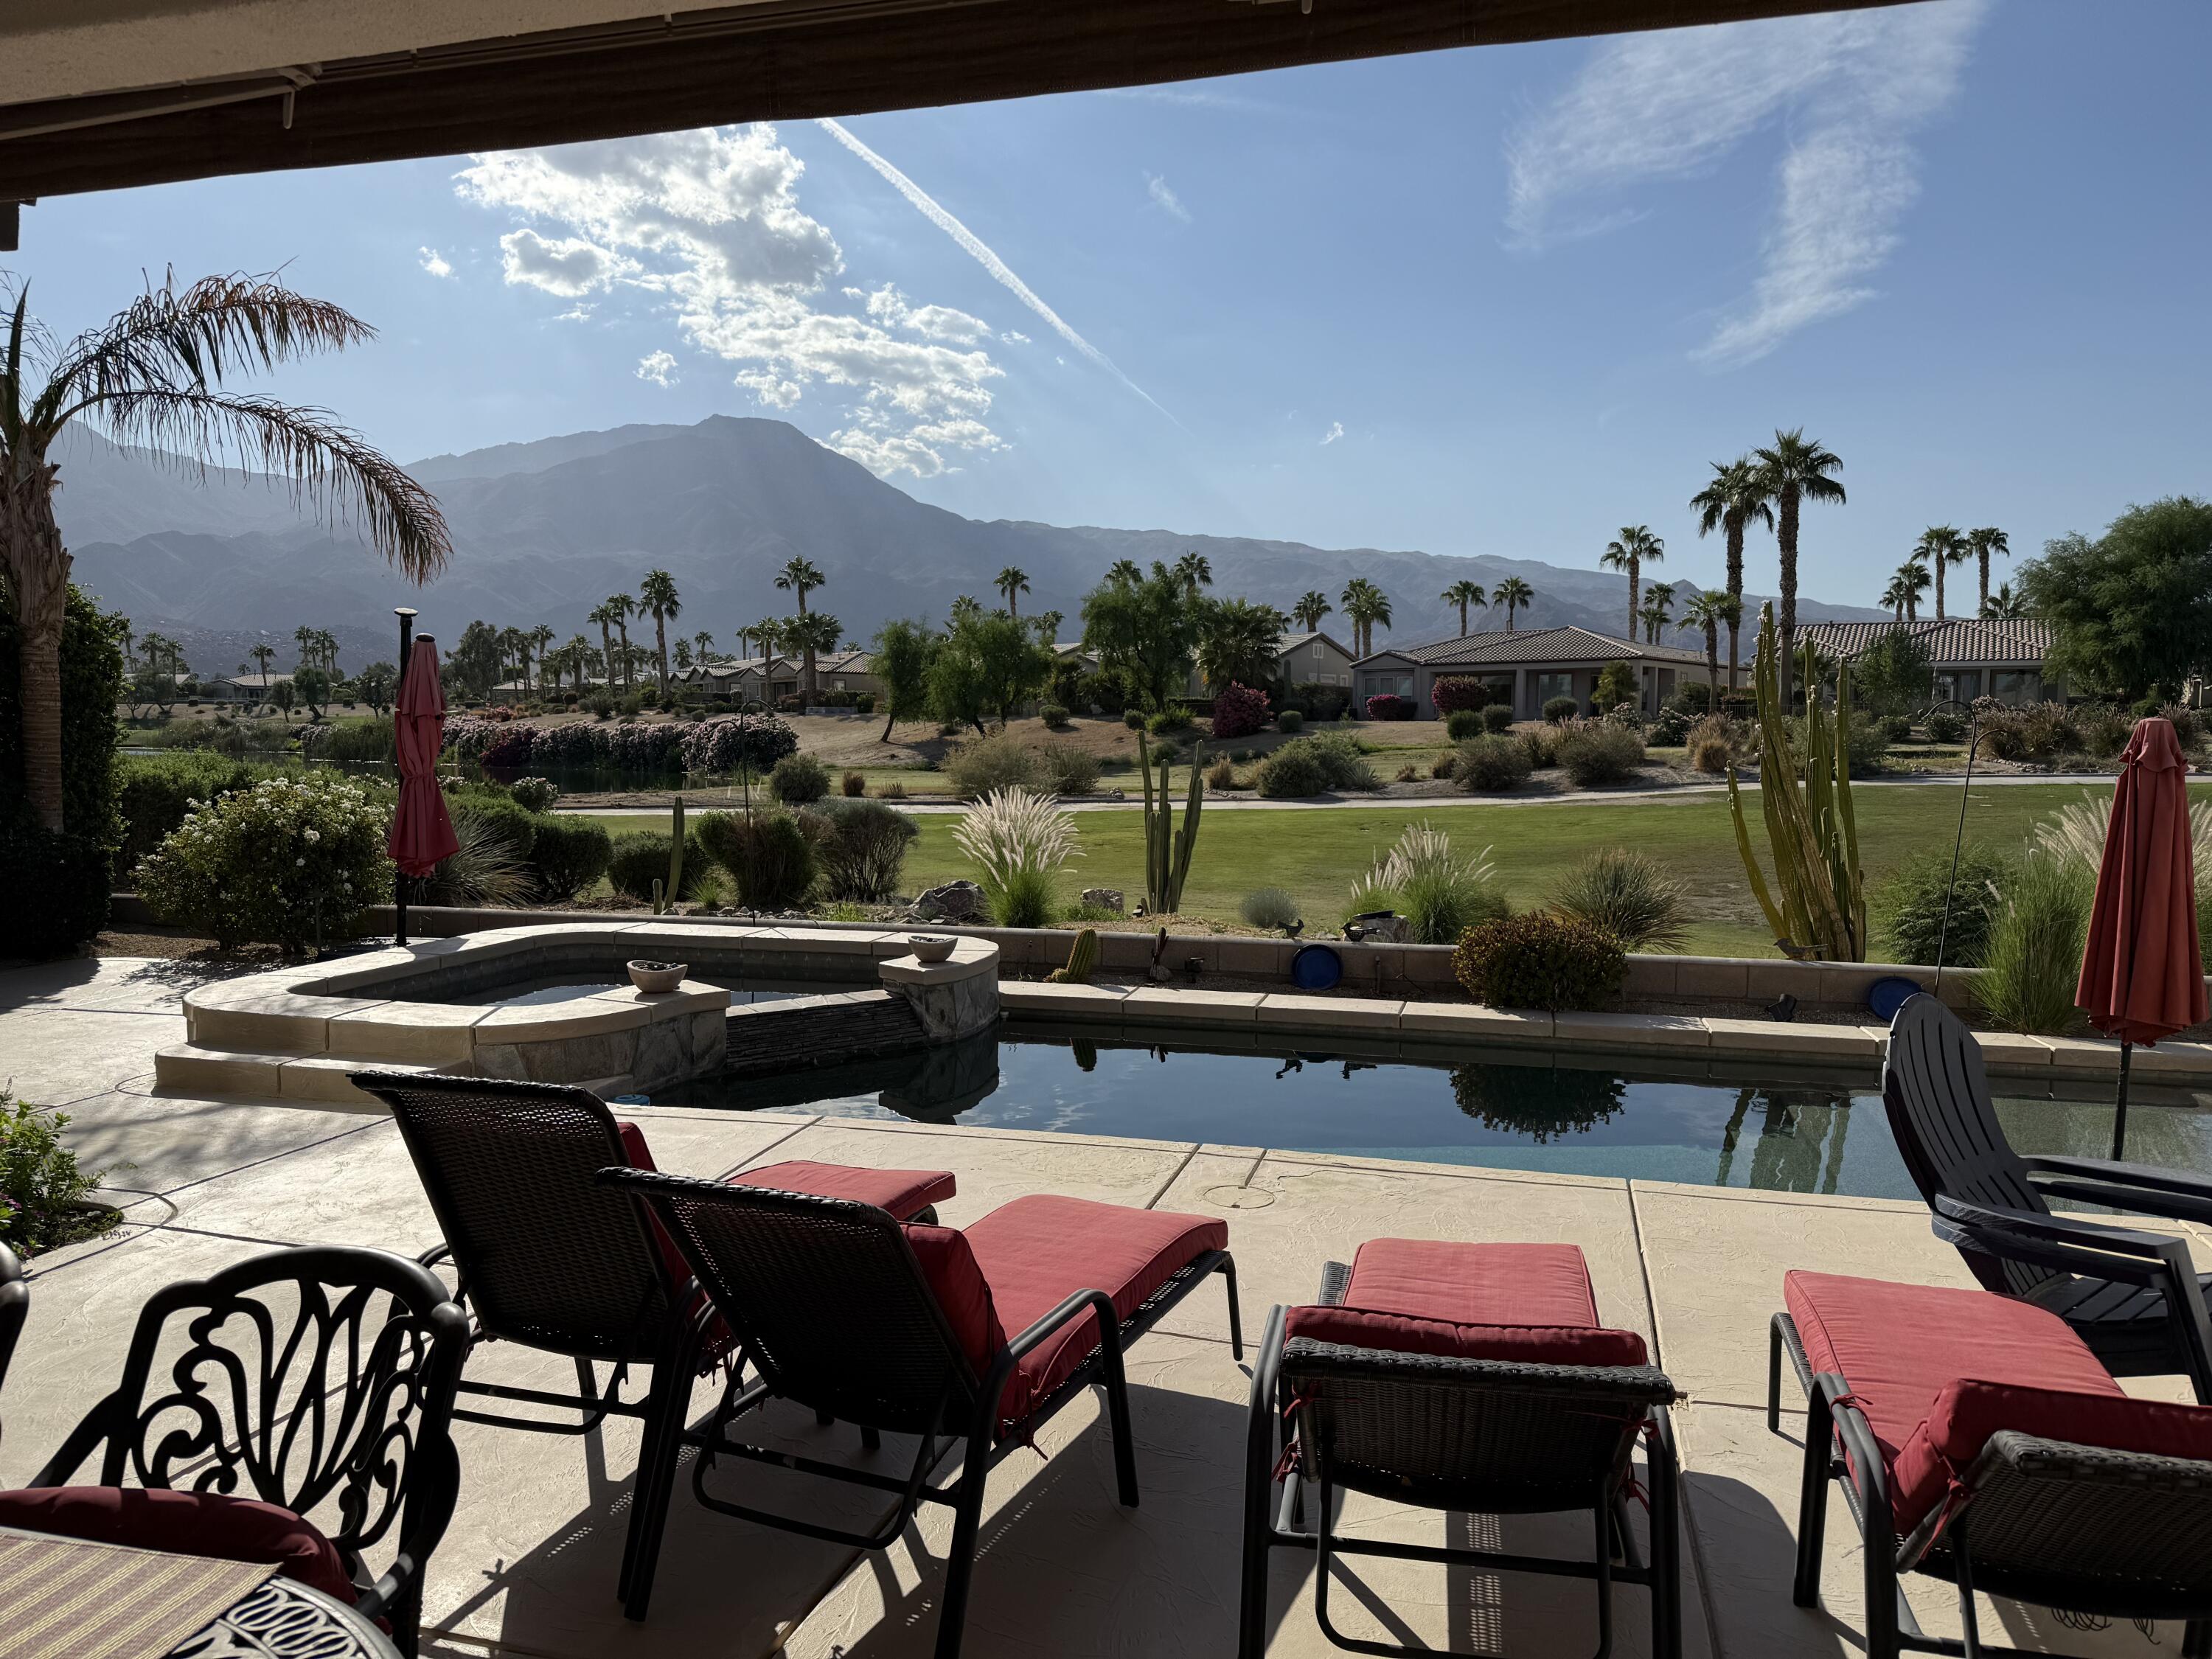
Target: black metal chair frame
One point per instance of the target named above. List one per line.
(964, 1408)
(1991, 1203)
(656, 1333)
(14, 1306)
(2044, 1498)
(1638, 1395)
(364, 1420)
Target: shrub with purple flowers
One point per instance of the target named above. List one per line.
(1239, 711)
(1389, 707)
(730, 742)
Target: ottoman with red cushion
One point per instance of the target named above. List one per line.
(1473, 1377)
(1985, 1443)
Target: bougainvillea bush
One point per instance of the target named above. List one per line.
(1239, 711)
(1456, 691)
(288, 861)
(1389, 707)
(722, 745)
(726, 743)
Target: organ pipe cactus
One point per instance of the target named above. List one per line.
(1082, 961)
(1168, 848)
(1811, 833)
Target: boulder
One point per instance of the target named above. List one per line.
(1104, 898)
(957, 901)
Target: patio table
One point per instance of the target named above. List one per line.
(279, 1619)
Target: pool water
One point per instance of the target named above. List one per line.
(1770, 1128)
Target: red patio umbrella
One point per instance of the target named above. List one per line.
(422, 831)
(2141, 976)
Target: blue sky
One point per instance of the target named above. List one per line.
(1501, 300)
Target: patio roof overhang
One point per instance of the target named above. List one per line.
(102, 94)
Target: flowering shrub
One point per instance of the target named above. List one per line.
(1239, 711)
(565, 745)
(513, 747)
(1456, 691)
(468, 736)
(1389, 707)
(632, 746)
(289, 860)
(729, 742)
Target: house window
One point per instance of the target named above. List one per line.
(1549, 686)
(1390, 685)
(1316, 649)
(2016, 685)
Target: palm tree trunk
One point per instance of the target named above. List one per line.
(37, 566)
(1785, 542)
(1983, 554)
(1734, 587)
(1939, 587)
(1713, 663)
(661, 641)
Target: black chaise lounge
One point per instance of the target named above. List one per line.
(549, 1259)
(2134, 1297)
(14, 1306)
(311, 1379)
(1979, 1440)
(1468, 1378)
(906, 1329)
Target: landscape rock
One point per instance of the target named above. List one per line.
(1388, 929)
(956, 901)
(1104, 898)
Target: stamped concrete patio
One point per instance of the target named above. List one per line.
(528, 1567)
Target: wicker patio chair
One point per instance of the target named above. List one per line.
(14, 1306)
(2135, 1298)
(1466, 1377)
(845, 1310)
(550, 1259)
(1979, 1440)
(319, 1378)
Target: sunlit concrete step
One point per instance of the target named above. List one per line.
(274, 1074)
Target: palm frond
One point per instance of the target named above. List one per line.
(331, 470)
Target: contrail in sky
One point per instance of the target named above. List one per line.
(973, 245)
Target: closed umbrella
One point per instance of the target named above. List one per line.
(2141, 976)
(422, 831)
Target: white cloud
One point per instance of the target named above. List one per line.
(709, 221)
(1335, 431)
(434, 262)
(1164, 198)
(1015, 336)
(1848, 88)
(657, 367)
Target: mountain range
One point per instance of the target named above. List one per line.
(544, 531)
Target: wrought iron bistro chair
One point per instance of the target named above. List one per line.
(547, 1259)
(312, 1376)
(897, 1328)
(1397, 1384)
(2134, 1297)
(14, 1306)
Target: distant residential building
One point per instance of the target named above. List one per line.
(1972, 656)
(1530, 667)
(765, 679)
(240, 688)
(1313, 659)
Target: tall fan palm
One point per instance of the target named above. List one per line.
(1125, 573)
(1633, 548)
(1515, 595)
(702, 648)
(2005, 605)
(604, 613)
(262, 655)
(1365, 605)
(1195, 570)
(1313, 604)
(1982, 543)
(1657, 603)
(1711, 612)
(965, 607)
(1733, 499)
(801, 576)
(154, 375)
(1467, 595)
(541, 639)
(768, 637)
(1792, 471)
(657, 596)
(1941, 545)
(1013, 582)
(1905, 588)
(621, 607)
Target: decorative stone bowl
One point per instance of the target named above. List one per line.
(654, 978)
(931, 947)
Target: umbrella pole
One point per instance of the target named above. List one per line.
(2120, 1117)
(406, 615)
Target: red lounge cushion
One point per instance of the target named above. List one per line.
(1527, 1302)
(184, 1523)
(1969, 1411)
(1036, 1252)
(948, 1265)
(904, 1192)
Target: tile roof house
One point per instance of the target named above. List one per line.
(1972, 656)
(1531, 666)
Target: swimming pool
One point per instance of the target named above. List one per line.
(1770, 1128)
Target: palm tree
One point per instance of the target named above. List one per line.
(1732, 500)
(1905, 588)
(965, 608)
(657, 597)
(1313, 604)
(1365, 605)
(1515, 595)
(768, 637)
(1047, 624)
(1941, 545)
(1657, 602)
(619, 608)
(513, 648)
(801, 576)
(2005, 605)
(1195, 571)
(1792, 471)
(1634, 547)
(262, 655)
(1239, 642)
(702, 648)
(1464, 594)
(604, 613)
(541, 639)
(1013, 582)
(1711, 610)
(1124, 572)
(1981, 544)
(304, 637)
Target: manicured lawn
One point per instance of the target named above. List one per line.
(1317, 854)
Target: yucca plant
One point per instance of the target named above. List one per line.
(1019, 842)
(1628, 895)
(1820, 911)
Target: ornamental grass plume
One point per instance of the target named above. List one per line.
(1019, 842)
(1440, 897)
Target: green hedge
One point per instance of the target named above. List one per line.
(569, 855)
(156, 791)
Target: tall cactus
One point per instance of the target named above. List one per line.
(1167, 849)
(664, 899)
(1810, 830)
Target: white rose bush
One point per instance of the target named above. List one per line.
(290, 860)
